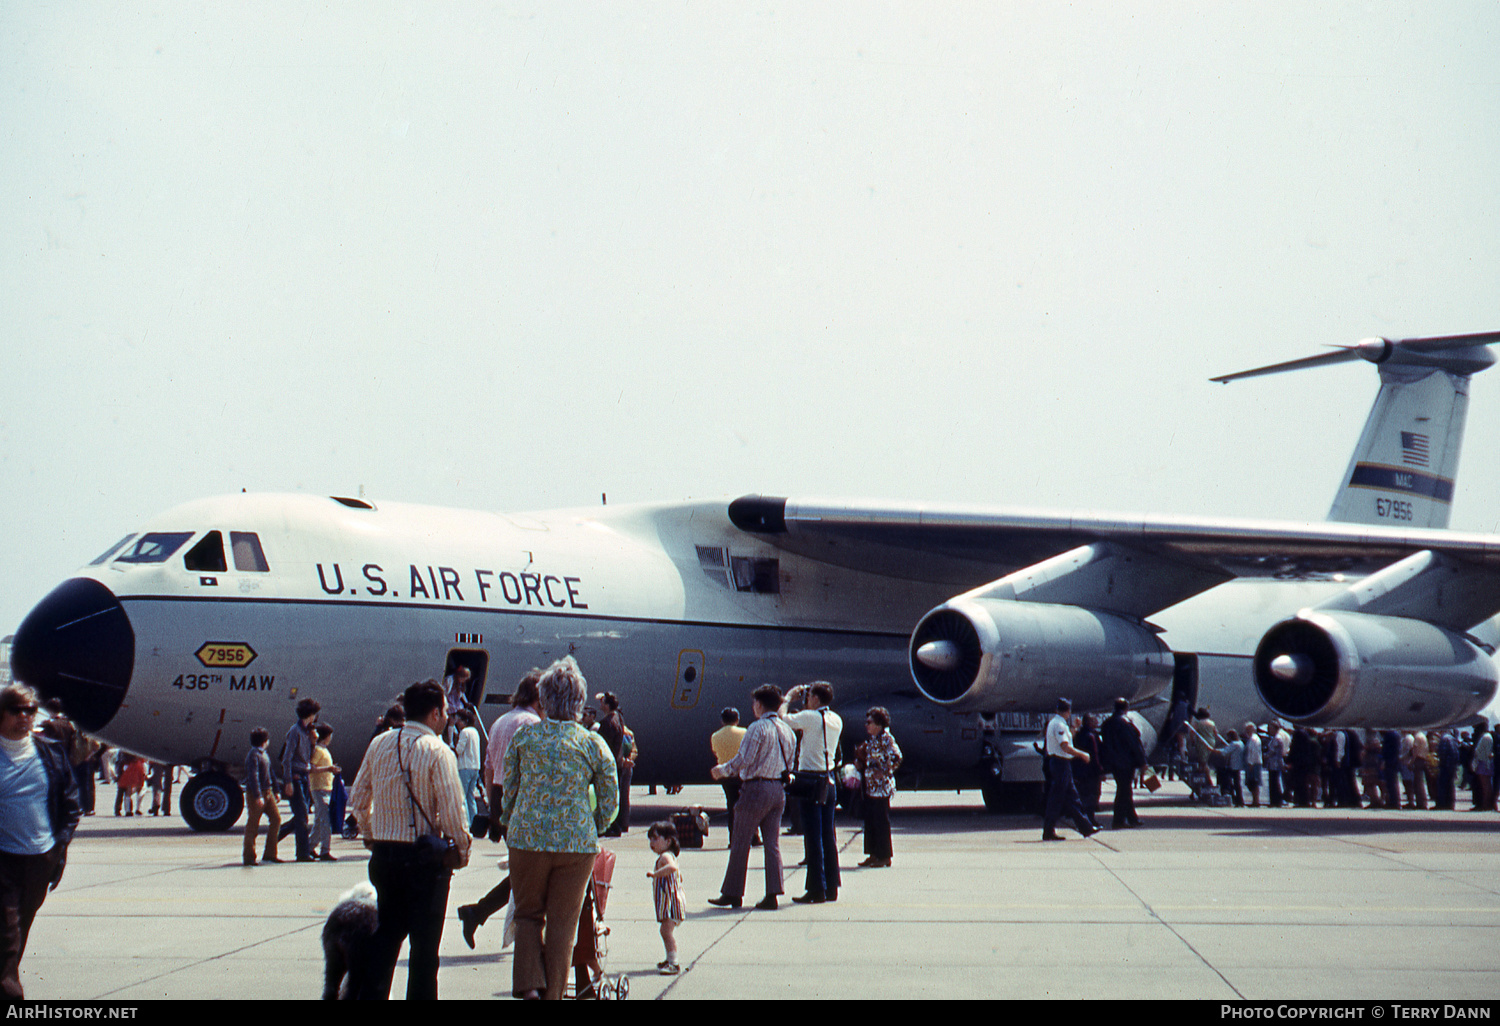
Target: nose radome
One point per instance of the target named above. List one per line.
(77, 645)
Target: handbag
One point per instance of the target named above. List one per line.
(480, 825)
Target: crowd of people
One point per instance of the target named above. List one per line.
(1304, 767)
(788, 756)
(96, 765)
(1078, 753)
(310, 781)
(551, 782)
(551, 778)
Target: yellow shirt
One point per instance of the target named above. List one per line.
(726, 743)
(321, 780)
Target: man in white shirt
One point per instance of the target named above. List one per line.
(819, 727)
(1062, 796)
(1253, 760)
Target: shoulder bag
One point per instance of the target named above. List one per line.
(433, 849)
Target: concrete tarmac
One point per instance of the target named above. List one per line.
(1201, 903)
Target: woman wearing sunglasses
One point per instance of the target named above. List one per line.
(38, 812)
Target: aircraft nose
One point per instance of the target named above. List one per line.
(77, 645)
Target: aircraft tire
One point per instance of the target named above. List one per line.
(211, 802)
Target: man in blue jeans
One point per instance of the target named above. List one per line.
(819, 727)
(296, 765)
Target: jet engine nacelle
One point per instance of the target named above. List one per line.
(991, 655)
(1334, 668)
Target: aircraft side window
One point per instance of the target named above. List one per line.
(742, 573)
(207, 555)
(248, 554)
(714, 564)
(156, 547)
(116, 547)
(762, 576)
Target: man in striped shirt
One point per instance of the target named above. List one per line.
(764, 759)
(408, 786)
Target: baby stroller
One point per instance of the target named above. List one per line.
(591, 951)
(1199, 780)
(1201, 783)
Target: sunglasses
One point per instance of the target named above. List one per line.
(24, 710)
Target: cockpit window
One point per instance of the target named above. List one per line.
(247, 552)
(155, 547)
(207, 555)
(116, 547)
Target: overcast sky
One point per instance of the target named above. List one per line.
(514, 256)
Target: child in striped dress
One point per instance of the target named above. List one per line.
(666, 888)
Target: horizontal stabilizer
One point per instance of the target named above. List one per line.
(1341, 356)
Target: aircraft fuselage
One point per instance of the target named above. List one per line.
(263, 600)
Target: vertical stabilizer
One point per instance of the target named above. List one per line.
(1404, 466)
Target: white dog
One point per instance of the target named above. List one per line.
(346, 938)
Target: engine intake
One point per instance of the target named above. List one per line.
(993, 655)
(1323, 668)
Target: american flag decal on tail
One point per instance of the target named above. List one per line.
(1413, 449)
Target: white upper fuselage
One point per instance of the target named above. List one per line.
(356, 603)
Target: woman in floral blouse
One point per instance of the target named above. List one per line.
(877, 759)
(550, 830)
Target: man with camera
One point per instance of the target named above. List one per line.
(409, 805)
(818, 728)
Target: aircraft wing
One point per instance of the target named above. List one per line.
(1170, 558)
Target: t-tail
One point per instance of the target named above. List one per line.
(1404, 468)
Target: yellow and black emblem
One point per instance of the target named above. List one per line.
(233, 654)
